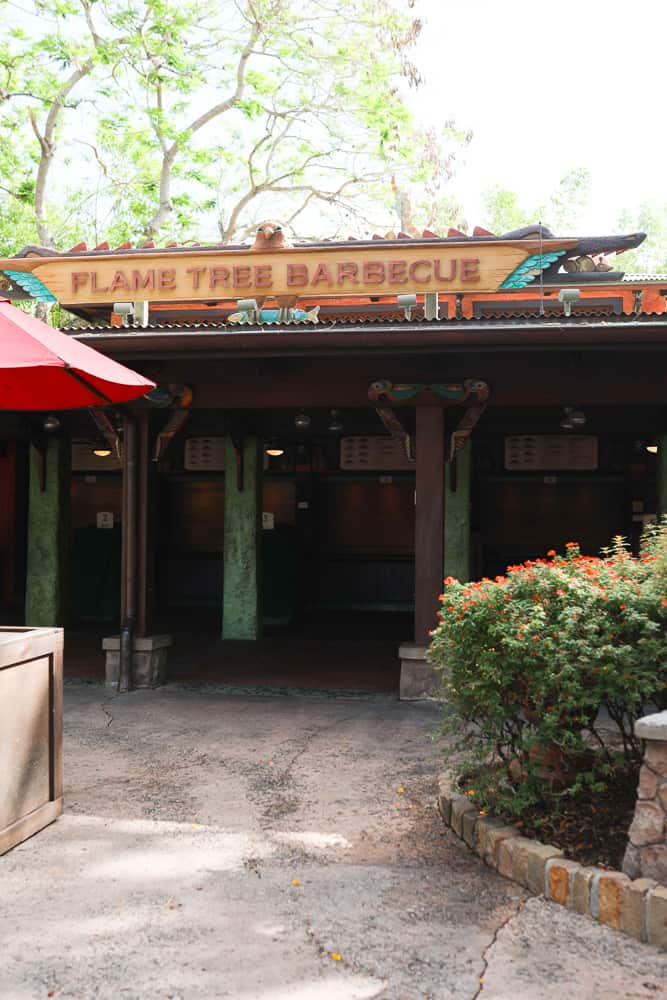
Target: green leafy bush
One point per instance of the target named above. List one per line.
(528, 660)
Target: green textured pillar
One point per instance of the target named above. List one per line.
(457, 515)
(241, 616)
(661, 476)
(47, 572)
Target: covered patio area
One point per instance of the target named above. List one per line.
(338, 652)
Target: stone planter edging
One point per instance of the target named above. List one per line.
(636, 907)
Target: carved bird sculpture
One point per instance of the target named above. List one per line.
(271, 236)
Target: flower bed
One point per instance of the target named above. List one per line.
(637, 907)
(544, 672)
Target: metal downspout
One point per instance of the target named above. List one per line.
(130, 553)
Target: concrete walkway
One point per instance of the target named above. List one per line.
(274, 848)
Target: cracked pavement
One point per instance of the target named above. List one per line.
(229, 846)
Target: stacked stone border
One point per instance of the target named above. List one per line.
(646, 854)
(636, 907)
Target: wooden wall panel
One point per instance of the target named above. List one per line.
(368, 516)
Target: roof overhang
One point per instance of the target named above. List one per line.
(616, 333)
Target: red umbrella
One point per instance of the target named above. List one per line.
(43, 369)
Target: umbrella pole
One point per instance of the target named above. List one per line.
(130, 553)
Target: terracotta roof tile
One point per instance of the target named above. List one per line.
(586, 245)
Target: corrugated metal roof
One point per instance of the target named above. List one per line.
(585, 245)
(604, 318)
(637, 278)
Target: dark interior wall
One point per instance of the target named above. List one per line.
(96, 552)
(521, 515)
(7, 519)
(523, 519)
(367, 515)
(348, 537)
(91, 494)
(12, 526)
(353, 543)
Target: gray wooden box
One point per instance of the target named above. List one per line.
(31, 731)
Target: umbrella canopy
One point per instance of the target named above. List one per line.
(43, 369)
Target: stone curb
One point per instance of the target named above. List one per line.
(637, 908)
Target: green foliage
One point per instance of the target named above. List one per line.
(561, 213)
(503, 213)
(121, 118)
(569, 201)
(651, 256)
(529, 659)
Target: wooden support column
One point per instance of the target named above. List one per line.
(242, 617)
(47, 576)
(145, 530)
(137, 658)
(129, 558)
(458, 476)
(661, 476)
(430, 445)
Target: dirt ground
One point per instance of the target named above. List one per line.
(265, 848)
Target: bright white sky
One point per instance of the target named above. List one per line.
(547, 87)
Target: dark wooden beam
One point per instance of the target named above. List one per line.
(545, 379)
(430, 443)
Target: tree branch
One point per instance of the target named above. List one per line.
(166, 206)
(46, 141)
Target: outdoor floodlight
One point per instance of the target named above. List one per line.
(407, 304)
(566, 297)
(246, 305)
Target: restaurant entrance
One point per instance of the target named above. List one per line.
(337, 545)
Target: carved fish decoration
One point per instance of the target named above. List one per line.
(271, 317)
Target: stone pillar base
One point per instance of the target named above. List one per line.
(149, 660)
(418, 678)
(646, 853)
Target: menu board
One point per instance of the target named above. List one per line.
(205, 454)
(374, 454)
(551, 452)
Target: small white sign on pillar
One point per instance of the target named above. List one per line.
(105, 519)
(268, 521)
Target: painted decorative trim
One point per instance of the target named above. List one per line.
(636, 907)
(30, 283)
(531, 267)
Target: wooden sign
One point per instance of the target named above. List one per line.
(297, 272)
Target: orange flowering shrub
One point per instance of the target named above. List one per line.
(536, 663)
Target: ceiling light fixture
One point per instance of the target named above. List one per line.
(274, 450)
(102, 451)
(572, 418)
(51, 423)
(302, 421)
(335, 424)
